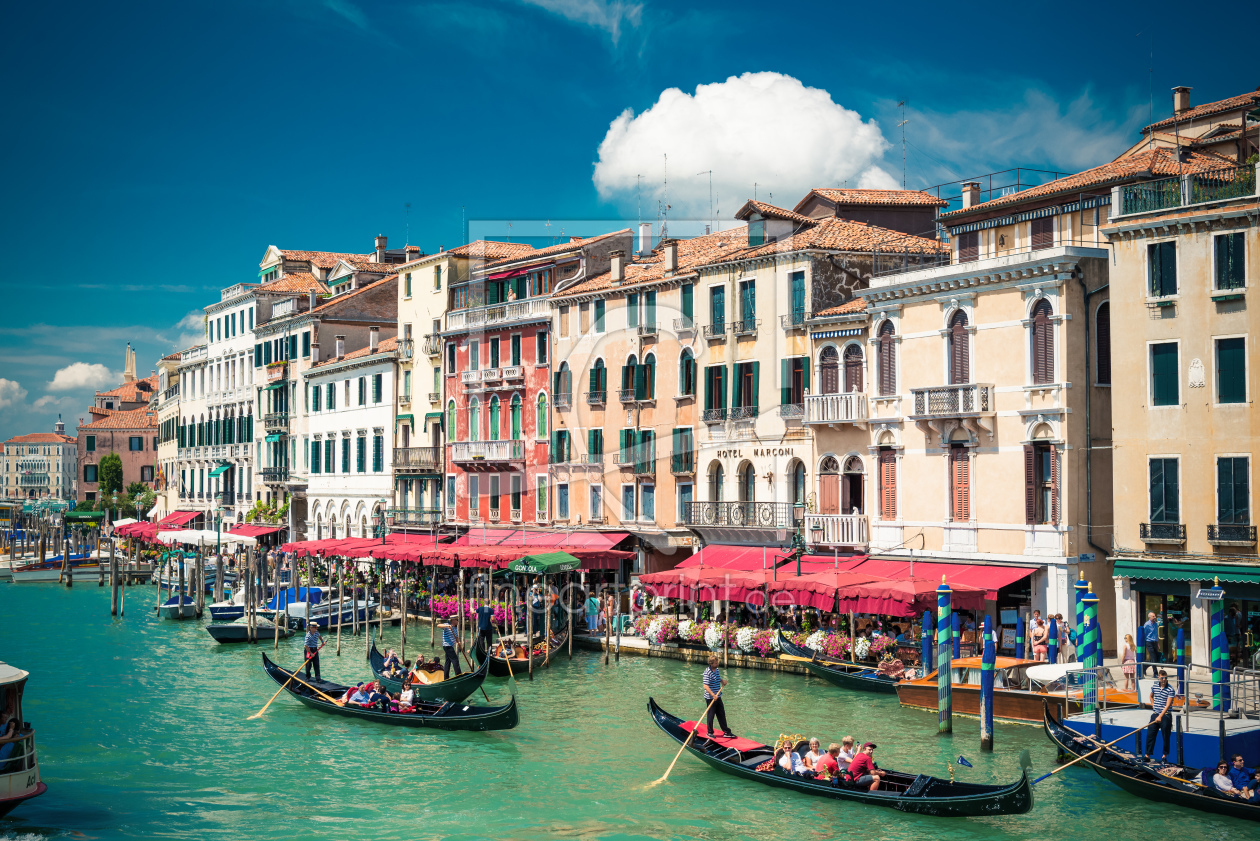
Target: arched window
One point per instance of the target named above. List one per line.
(474, 419)
(542, 416)
(628, 373)
(886, 360)
(494, 419)
(1102, 334)
(853, 368)
(1042, 343)
(717, 478)
(599, 378)
(829, 486)
(747, 482)
(798, 484)
(516, 417)
(829, 370)
(687, 373)
(959, 350)
(851, 489)
(450, 422)
(647, 389)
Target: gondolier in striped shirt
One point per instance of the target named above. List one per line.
(451, 644)
(1162, 695)
(713, 684)
(311, 648)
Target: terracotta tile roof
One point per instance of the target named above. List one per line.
(386, 346)
(573, 244)
(485, 249)
(691, 254)
(1216, 138)
(133, 419)
(770, 211)
(347, 295)
(1160, 162)
(369, 266)
(321, 259)
(176, 356)
(881, 198)
(845, 235)
(295, 282)
(856, 305)
(138, 391)
(1207, 109)
(42, 438)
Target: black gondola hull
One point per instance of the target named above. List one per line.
(937, 798)
(845, 675)
(454, 690)
(1139, 780)
(499, 666)
(456, 718)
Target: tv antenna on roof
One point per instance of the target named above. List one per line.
(664, 205)
(710, 174)
(408, 214)
(902, 125)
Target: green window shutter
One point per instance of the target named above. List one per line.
(1231, 371)
(649, 314)
(306, 344)
(688, 301)
(720, 374)
(717, 306)
(805, 366)
(677, 449)
(594, 379)
(314, 456)
(708, 387)
(293, 346)
(756, 390)
(632, 310)
(1164, 385)
(640, 382)
(624, 449)
(785, 383)
(266, 353)
(494, 421)
(590, 442)
(798, 296)
(737, 393)
(258, 354)
(600, 308)
(377, 383)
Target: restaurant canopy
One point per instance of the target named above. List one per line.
(558, 539)
(818, 589)
(204, 537)
(905, 597)
(989, 577)
(737, 557)
(178, 518)
(545, 563)
(253, 531)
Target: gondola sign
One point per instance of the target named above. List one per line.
(1210, 594)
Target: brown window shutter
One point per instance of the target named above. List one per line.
(961, 484)
(959, 363)
(852, 368)
(846, 503)
(1043, 232)
(1030, 484)
(968, 246)
(1054, 484)
(887, 361)
(888, 484)
(1102, 330)
(1042, 343)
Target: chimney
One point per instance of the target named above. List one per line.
(380, 249)
(1181, 99)
(310, 299)
(970, 194)
(314, 353)
(374, 338)
(341, 347)
(618, 267)
(671, 257)
(645, 239)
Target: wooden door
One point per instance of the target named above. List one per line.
(829, 493)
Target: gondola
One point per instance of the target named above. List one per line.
(238, 631)
(520, 663)
(441, 716)
(848, 675)
(455, 690)
(917, 793)
(1185, 788)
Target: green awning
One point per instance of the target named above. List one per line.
(84, 516)
(431, 415)
(271, 439)
(545, 563)
(274, 386)
(1173, 571)
(220, 470)
(409, 419)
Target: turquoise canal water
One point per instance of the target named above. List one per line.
(142, 733)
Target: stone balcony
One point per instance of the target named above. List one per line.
(836, 530)
(499, 314)
(973, 405)
(487, 452)
(836, 409)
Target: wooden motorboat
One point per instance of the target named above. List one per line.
(19, 767)
(178, 607)
(238, 631)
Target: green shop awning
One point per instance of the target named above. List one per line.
(274, 386)
(220, 470)
(271, 439)
(545, 563)
(408, 419)
(85, 516)
(432, 415)
(1172, 571)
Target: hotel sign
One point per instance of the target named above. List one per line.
(758, 452)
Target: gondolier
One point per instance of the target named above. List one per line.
(713, 684)
(485, 630)
(311, 645)
(450, 647)
(1162, 696)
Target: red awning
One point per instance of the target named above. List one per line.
(178, 518)
(557, 539)
(989, 577)
(253, 531)
(745, 558)
(485, 537)
(504, 275)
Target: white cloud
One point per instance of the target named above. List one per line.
(11, 394)
(50, 403)
(766, 128)
(82, 375)
(608, 15)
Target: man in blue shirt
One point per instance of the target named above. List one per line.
(1151, 651)
(451, 644)
(311, 646)
(1245, 779)
(713, 684)
(1162, 695)
(485, 629)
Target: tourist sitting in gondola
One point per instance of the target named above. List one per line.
(393, 665)
(1245, 779)
(827, 766)
(1223, 782)
(355, 695)
(846, 753)
(863, 770)
(789, 760)
(814, 753)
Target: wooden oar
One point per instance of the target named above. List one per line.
(330, 698)
(281, 689)
(1092, 752)
(690, 736)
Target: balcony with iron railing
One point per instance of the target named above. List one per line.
(794, 320)
(276, 422)
(750, 515)
(684, 324)
(170, 394)
(417, 460)
(404, 400)
(596, 398)
(405, 517)
(626, 395)
(833, 409)
(836, 530)
(648, 330)
(683, 463)
(1229, 534)
(406, 348)
(746, 327)
(713, 415)
(474, 452)
(715, 331)
(225, 498)
(435, 397)
(499, 314)
(1193, 188)
(952, 401)
(792, 411)
(273, 475)
(432, 345)
(744, 413)
(563, 400)
(592, 459)
(1171, 533)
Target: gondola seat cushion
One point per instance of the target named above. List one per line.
(737, 743)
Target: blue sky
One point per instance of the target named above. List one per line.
(154, 150)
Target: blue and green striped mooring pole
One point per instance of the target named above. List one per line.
(955, 629)
(1082, 587)
(1181, 662)
(944, 648)
(1218, 657)
(1052, 642)
(1091, 653)
(988, 659)
(928, 648)
(1019, 637)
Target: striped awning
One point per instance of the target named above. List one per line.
(835, 334)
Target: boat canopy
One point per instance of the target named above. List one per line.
(292, 595)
